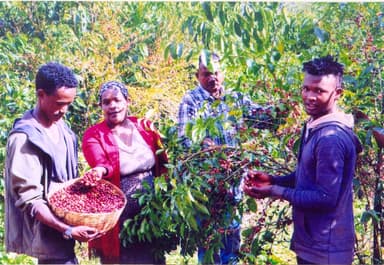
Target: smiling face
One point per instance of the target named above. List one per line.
(114, 106)
(320, 94)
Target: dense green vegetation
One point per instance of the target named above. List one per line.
(153, 46)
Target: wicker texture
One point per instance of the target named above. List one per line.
(101, 221)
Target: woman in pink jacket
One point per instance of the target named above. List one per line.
(123, 150)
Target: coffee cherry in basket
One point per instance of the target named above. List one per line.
(89, 179)
(102, 198)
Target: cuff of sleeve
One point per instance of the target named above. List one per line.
(108, 170)
(36, 207)
(277, 191)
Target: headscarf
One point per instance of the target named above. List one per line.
(113, 85)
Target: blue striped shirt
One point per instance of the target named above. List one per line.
(199, 104)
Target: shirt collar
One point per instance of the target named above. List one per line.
(206, 94)
(338, 116)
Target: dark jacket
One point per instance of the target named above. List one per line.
(322, 194)
(29, 171)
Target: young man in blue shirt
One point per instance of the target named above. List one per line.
(320, 189)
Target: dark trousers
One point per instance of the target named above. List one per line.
(134, 253)
(59, 261)
(139, 253)
(301, 261)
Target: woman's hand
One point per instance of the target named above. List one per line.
(92, 176)
(100, 171)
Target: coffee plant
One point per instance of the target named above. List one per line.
(201, 194)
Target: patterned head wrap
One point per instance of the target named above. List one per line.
(113, 85)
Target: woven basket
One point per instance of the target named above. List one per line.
(101, 221)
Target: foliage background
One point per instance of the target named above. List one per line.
(153, 46)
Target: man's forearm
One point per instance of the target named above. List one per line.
(42, 213)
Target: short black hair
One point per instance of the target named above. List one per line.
(324, 66)
(53, 75)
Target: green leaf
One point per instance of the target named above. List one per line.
(237, 28)
(206, 59)
(208, 256)
(201, 208)
(368, 215)
(322, 35)
(207, 10)
(245, 38)
(253, 67)
(156, 205)
(259, 20)
(189, 56)
(271, 67)
(143, 227)
(199, 195)
(198, 134)
(247, 232)
(367, 70)
(206, 38)
(179, 52)
(252, 205)
(275, 56)
(259, 41)
(166, 51)
(143, 48)
(192, 222)
(141, 199)
(222, 16)
(172, 49)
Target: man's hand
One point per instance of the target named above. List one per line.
(85, 233)
(257, 178)
(258, 192)
(257, 184)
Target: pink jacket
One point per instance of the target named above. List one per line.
(100, 149)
